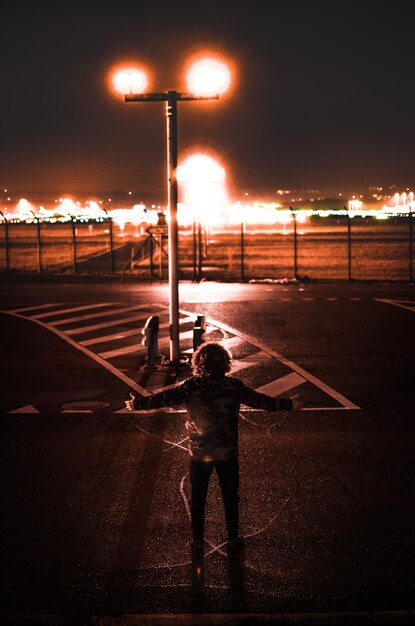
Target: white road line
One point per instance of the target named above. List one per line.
(110, 354)
(114, 337)
(296, 368)
(86, 329)
(91, 316)
(402, 306)
(127, 333)
(128, 381)
(71, 310)
(39, 306)
(281, 385)
(254, 359)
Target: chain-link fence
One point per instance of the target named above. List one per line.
(331, 248)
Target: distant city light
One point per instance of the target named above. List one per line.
(205, 198)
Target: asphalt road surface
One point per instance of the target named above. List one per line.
(95, 512)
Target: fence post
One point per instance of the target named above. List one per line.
(349, 245)
(6, 240)
(74, 268)
(411, 278)
(295, 242)
(242, 250)
(39, 244)
(111, 246)
(151, 256)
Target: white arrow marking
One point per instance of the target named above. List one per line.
(25, 409)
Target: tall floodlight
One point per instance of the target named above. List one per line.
(207, 79)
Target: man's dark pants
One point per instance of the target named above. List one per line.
(228, 475)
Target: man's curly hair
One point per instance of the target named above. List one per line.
(211, 359)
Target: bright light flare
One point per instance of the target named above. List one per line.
(208, 77)
(202, 181)
(129, 80)
(200, 168)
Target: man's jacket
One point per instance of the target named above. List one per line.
(213, 405)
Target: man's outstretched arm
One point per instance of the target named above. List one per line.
(170, 397)
(258, 400)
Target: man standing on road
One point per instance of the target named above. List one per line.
(213, 399)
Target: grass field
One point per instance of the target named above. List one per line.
(321, 249)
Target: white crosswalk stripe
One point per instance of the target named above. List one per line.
(124, 348)
(409, 305)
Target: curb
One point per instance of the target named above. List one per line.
(371, 618)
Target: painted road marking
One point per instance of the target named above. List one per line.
(25, 409)
(297, 377)
(36, 308)
(401, 303)
(71, 310)
(122, 321)
(255, 359)
(110, 354)
(121, 335)
(296, 368)
(282, 385)
(128, 381)
(113, 337)
(90, 316)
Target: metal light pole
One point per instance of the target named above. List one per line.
(171, 98)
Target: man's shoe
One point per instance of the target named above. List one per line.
(235, 545)
(197, 549)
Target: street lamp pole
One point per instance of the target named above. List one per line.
(173, 244)
(171, 98)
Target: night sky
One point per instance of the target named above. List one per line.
(323, 96)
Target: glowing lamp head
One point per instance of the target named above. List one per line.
(129, 80)
(208, 77)
(200, 169)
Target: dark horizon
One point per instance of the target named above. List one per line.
(322, 97)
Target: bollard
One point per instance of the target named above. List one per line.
(199, 332)
(150, 332)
